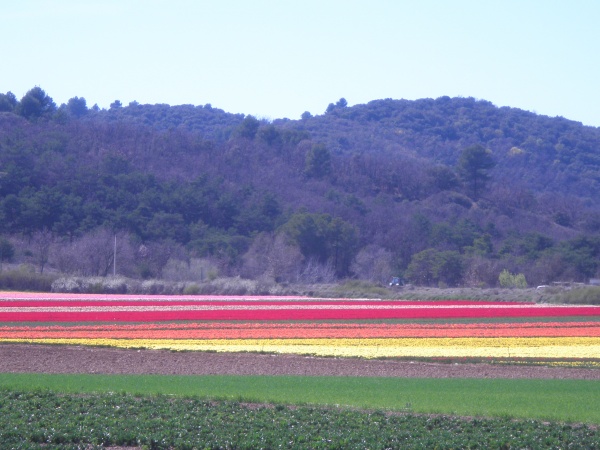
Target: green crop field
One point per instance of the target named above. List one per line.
(42, 419)
(555, 400)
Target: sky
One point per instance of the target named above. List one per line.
(279, 58)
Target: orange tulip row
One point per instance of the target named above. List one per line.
(303, 330)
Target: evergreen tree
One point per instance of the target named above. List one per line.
(35, 103)
(8, 102)
(473, 166)
(318, 162)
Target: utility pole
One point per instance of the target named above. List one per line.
(115, 258)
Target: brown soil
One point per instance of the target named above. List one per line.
(24, 358)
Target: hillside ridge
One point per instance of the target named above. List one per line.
(446, 191)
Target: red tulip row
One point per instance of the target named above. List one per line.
(302, 326)
(11, 311)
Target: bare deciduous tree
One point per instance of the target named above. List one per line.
(196, 269)
(93, 254)
(373, 263)
(481, 272)
(313, 271)
(42, 242)
(272, 257)
(154, 256)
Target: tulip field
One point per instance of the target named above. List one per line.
(80, 409)
(554, 334)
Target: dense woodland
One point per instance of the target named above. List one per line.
(440, 192)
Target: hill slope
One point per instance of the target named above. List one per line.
(369, 191)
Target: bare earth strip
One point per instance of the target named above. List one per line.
(25, 358)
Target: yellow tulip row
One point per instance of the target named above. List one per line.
(553, 347)
(556, 363)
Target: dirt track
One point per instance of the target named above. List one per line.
(79, 359)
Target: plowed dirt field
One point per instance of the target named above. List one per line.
(24, 358)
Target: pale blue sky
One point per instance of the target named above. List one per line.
(277, 59)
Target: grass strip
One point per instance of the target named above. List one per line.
(553, 400)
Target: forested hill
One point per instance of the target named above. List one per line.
(535, 152)
(450, 191)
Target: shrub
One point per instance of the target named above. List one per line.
(121, 285)
(159, 287)
(241, 286)
(586, 295)
(112, 285)
(24, 279)
(91, 285)
(360, 289)
(191, 289)
(66, 284)
(509, 280)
